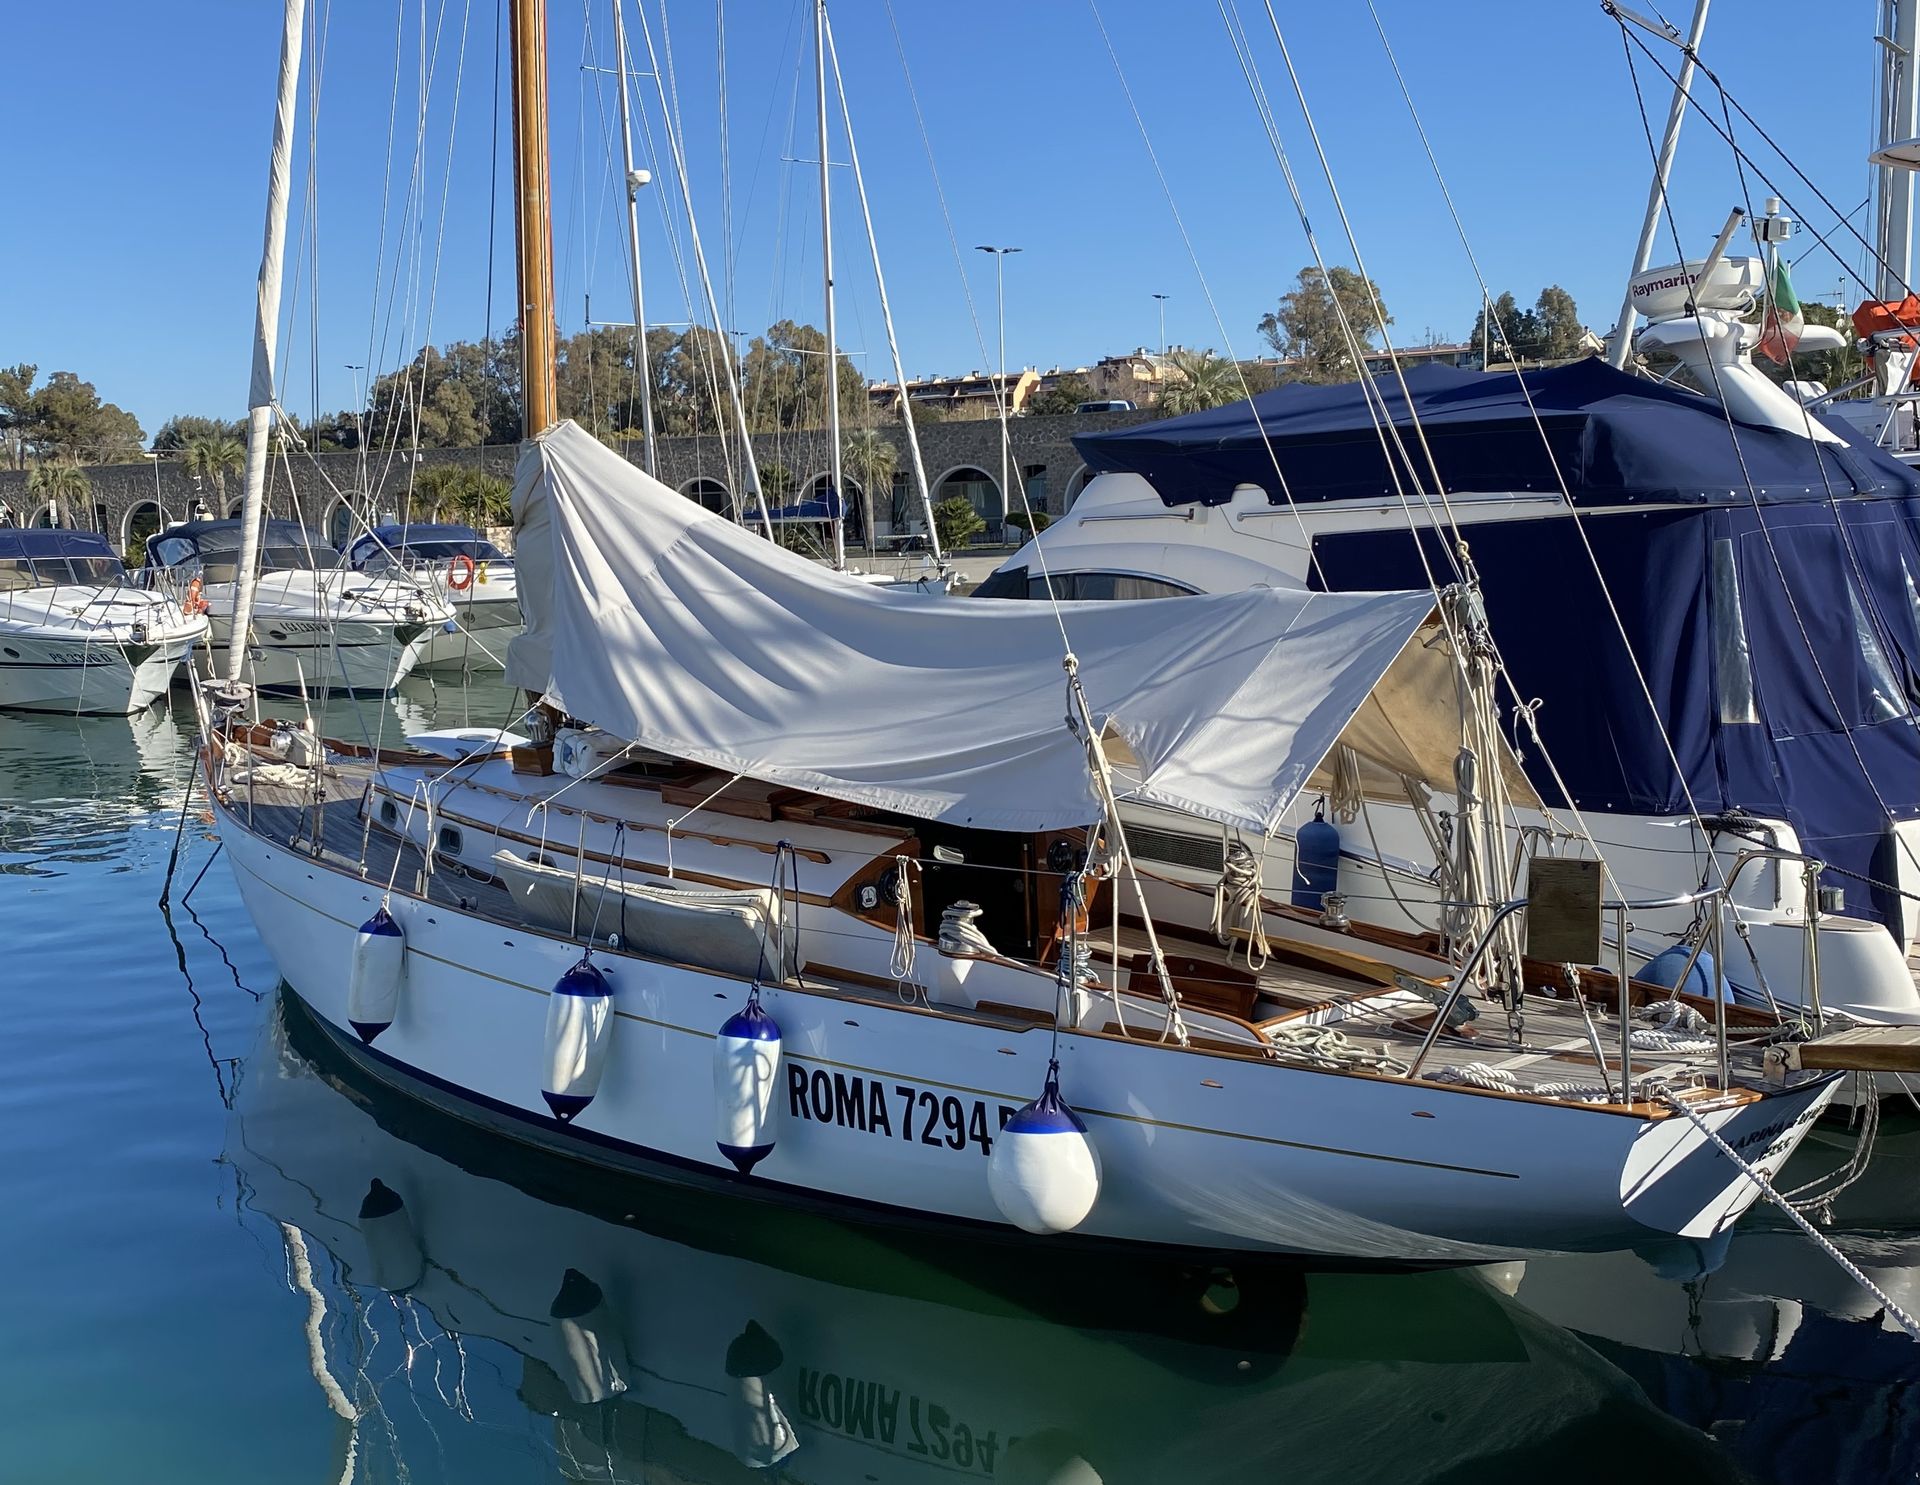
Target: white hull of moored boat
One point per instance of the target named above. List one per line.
(69, 673)
(289, 655)
(479, 639)
(892, 1109)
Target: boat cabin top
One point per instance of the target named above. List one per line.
(32, 558)
(421, 542)
(213, 547)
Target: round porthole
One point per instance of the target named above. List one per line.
(12, 653)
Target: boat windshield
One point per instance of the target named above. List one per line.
(216, 546)
(370, 556)
(18, 573)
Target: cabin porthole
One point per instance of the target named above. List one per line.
(389, 813)
(450, 839)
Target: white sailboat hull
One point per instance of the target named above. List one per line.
(891, 1109)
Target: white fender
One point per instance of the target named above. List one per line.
(589, 1341)
(579, 1030)
(379, 969)
(746, 1064)
(393, 1247)
(1044, 1172)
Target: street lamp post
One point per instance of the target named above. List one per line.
(1000, 255)
(1162, 299)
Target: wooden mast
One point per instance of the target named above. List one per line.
(533, 218)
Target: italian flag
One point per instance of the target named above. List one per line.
(1780, 331)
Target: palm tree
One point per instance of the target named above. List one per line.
(871, 460)
(62, 486)
(1202, 380)
(213, 456)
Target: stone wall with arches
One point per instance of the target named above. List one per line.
(316, 489)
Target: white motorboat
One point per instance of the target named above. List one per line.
(469, 573)
(75, 636)
(903, 999)
(317, 624)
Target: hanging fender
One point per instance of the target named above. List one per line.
(579, 1031)
(746, 1065)
(379, 970)
(1044, 1172)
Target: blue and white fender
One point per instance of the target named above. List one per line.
(590, 1345)
(397, 1260)
(1044, 1172)
(746, 1063)
(579, 1030)
(379, 969)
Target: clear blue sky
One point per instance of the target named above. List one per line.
(131, 232)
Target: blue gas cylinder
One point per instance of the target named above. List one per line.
(1665, 967)
(1316, 861)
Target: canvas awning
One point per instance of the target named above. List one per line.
(675, 629)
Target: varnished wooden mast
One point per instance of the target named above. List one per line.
(533, 217)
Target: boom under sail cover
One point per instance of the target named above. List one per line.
(677, 630)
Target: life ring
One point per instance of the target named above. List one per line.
(460, 572)
(193, 604)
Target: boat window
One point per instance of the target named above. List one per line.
(1732, 660)
(1010, 583)
(450, 839)
(15, 574)
(173, 550)
(1880, 697)
(285, 559)
(1103, 586)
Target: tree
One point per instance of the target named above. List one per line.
(214, 456)
(870, 459)
(1306, 328)
(1060, 397)
(63, 485)
(16, 409)
(1201, 380)
(1550, 331)
(1559, 322)
(957, 522)
(177, 432)
(65, 419)
(462, 493)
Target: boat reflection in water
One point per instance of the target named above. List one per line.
(1761, 1340)
(671, 1335)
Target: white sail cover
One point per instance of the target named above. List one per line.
(675, 629)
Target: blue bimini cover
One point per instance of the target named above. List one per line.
(33, 541)
(1767, 586)
(1615, 439)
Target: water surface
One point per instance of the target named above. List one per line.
(226, 1258)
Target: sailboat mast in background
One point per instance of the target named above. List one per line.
(533, 218)
(266, 325)
(836, 494)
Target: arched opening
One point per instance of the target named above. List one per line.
(852, 502)
(46, 516)
(234, 507)
(982, 491)
(337, 524)
(143, 520)
(1081, 478)
(710, 494)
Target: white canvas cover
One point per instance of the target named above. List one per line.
(678, 630)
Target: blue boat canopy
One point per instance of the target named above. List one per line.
(1615, 439)
(28, 542)
(426, 540)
